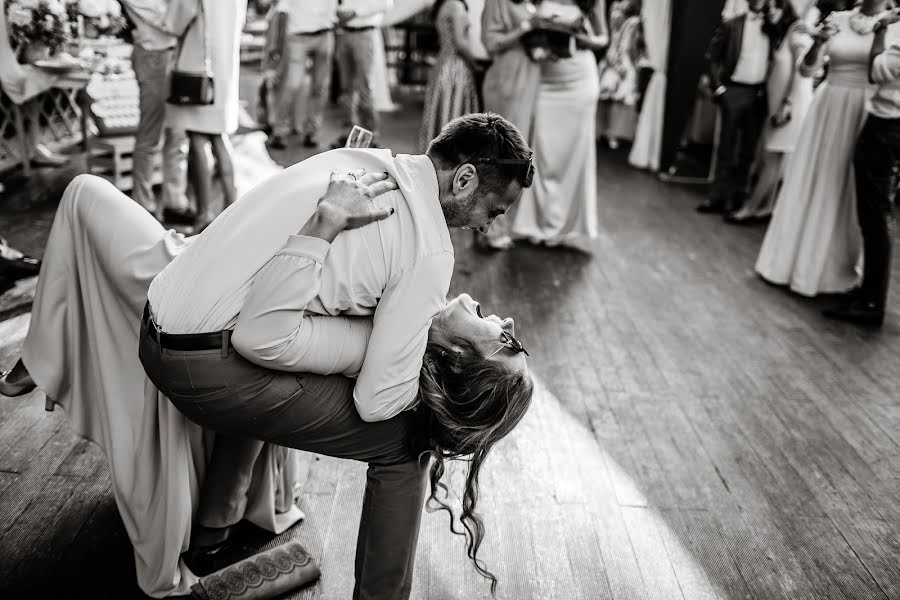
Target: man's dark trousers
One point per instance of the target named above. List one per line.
(876, 162)
(744, 109)
(246, 404)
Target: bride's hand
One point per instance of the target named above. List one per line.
(347, 202)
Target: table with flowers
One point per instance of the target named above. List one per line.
(50, 51)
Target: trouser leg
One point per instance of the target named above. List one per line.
(876, 163)
(725, 154)
(322, 56)
(151, 72)
(293, 77)
(317, 414)
(223, 495)
(362, 46)
(398, 491)
(752, 119)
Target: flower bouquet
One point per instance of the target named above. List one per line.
(38, 28)
(95, 18)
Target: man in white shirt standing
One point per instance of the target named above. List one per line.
(310, 37)
(152, 59)
(224, 334)
(356, 57)
(739, 57)
(877, 163)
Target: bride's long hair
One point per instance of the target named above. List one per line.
(467, 404)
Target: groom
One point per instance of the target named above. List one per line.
(245, 266)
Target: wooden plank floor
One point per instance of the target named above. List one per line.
(696, 434)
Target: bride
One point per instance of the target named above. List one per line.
(82, 351)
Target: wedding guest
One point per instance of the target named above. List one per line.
(510, 84)
(310, 38)
(152, 59)
(789, 96)
(356, 53)
(877, 162)
(813, 243)
(451, 88)
(618, 113)
(739, 56)
(562, 203)
(213, 33)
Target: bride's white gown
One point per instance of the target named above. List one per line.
(81, 350)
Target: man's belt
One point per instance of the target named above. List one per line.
(358, 29)
(313, 33)
(185, 341)
(747, 85)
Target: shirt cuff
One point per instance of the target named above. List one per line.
(306, 247)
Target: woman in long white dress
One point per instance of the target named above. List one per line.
(790, 95)
(81, 350)
(813, 243)
(562, 202)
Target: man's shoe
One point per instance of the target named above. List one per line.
(179, 216)
(310, 141)
(858, 313)
(711, 207)
(277, 142)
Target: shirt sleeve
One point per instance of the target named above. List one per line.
(886, 66)
(273, 329)
(389, 380)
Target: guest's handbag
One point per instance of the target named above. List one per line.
(269, 574)
(191, 88)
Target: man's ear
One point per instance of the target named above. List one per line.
(465, 180)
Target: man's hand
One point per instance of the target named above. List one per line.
(824, 32)
(347, 203)
(345, 14)
(783, 116)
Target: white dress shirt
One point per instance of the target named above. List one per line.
(886, 72)
(308, 16)
(148, 17)
(369, 13)
(250, 272)
(753, 64)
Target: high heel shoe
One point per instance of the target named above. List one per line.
(16, 387)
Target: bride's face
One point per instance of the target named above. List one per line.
(492, 336)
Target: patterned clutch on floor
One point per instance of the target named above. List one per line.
(262, 576)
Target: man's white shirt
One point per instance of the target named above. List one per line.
(250, 272)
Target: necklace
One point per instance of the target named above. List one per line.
(862, 24)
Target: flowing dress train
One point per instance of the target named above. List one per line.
(82, 351)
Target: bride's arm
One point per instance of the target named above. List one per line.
(274, 330)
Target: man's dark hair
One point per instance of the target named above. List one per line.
(483, 136)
